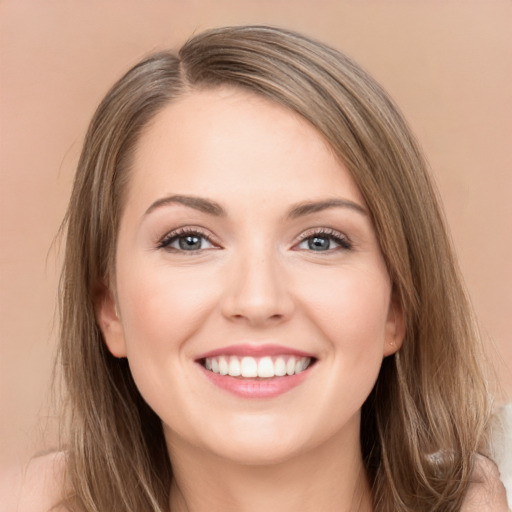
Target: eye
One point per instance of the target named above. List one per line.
(324, 241)
(186, 240)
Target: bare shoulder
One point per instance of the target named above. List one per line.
(486, 493)
(36, 487)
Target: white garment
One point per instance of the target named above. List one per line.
(502, 447)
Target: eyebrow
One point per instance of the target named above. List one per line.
(310, 207)
(198, 203)
(213, 208)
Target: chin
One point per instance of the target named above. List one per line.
(260, 453)
(260, 440)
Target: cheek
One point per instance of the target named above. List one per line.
(350, 308)
(162, 309)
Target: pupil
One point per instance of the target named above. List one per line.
(318, 243)
(190, 242)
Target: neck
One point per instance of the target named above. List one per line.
(329, 478)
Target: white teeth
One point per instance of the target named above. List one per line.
(280, 367)
(265, 367)
(234, 367)
(223, 366)
(250, 367)
(290, 366)
(300, 366)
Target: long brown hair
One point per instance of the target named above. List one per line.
(428, 413)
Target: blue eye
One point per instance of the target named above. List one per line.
(324, 242)
(188, 241)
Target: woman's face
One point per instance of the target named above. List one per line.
(246, 247)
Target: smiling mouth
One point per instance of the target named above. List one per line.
(249, 367)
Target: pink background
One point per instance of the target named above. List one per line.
(448, 64)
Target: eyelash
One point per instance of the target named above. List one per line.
(169, 238)
(340, 239)
(343, 242)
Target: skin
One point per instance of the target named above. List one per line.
(255, 280)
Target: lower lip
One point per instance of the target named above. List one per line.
(256, 388)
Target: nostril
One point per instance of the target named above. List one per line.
(257, 295)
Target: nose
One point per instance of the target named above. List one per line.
(258, 292)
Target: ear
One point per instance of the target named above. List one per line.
(108, 319)
(395, 326)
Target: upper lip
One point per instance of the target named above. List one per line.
(254, 350)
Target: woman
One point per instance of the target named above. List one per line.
(260, 305)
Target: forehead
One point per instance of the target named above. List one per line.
(226, 141)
